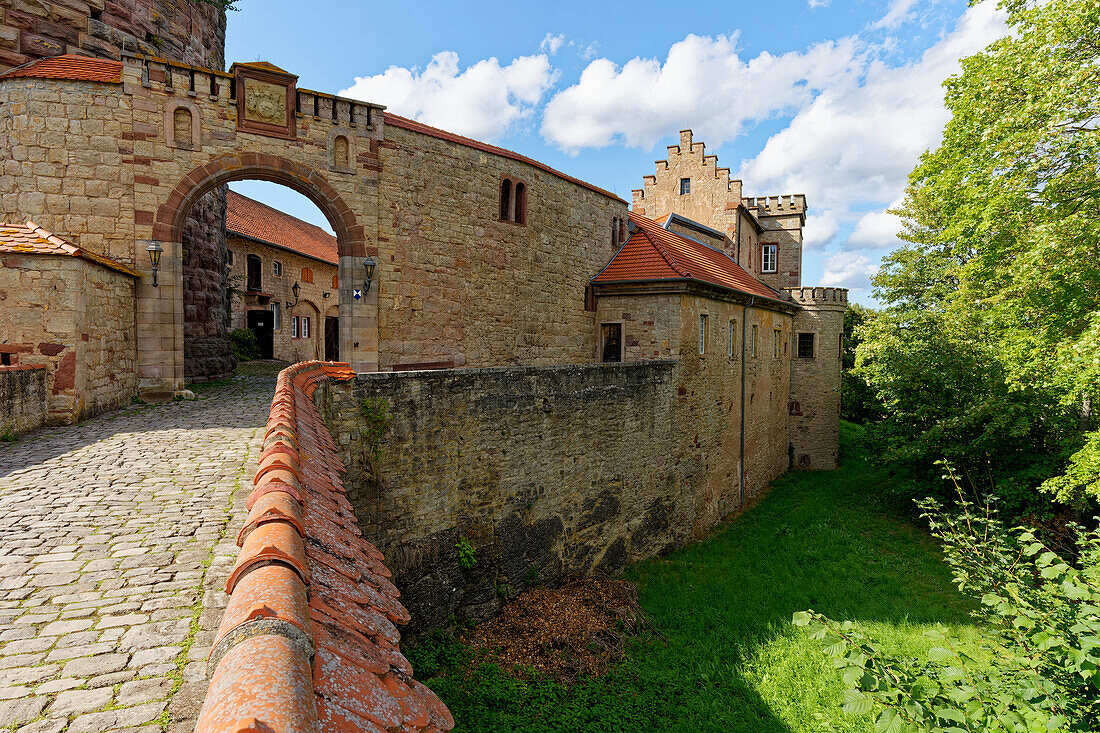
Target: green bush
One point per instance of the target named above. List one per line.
(1039, 624)
(245, 346)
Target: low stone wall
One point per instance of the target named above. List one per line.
(488, 480)
(22, 398)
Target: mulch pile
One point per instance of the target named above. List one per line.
(578, 629)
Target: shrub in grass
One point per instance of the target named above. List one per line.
(245, 346)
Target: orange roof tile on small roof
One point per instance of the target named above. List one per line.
(31, 239)
(413, 125)
(259, 221)
(653, 253)
(71, 67)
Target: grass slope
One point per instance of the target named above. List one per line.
(729, 659)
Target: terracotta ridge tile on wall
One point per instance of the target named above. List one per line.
(307, 641)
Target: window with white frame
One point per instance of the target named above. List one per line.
(768, 258)
(277, 268)
(276, 317)
(702, 334)
(304, 328)
(294, 327)
(685, 186)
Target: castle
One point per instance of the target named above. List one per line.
(574, 381)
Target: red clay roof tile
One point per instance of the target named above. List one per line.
(654, 253)
(71, 67)
(359, 682)
(259, 221)
(32, 239)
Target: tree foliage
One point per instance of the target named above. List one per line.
(858, 402)
(988, 350)
(1039, 656)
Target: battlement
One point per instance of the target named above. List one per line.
(690, 152)
(818, 296)
(785, 205)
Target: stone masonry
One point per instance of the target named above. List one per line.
(118, 536)
(22, 398)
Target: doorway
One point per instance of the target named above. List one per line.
(332, 339)
(262, 324)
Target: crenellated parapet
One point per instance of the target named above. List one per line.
(783, 205)
(818, 297)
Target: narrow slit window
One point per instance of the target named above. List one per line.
(752, 344)
(733, 337)
(505, 200)
(702, 335)
(521, 204)
(776, 345)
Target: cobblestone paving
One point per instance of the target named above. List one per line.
(116, 537)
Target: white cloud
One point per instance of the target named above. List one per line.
(898, 12)
(482, 101)
(818, 3)
(875, 230)
(590, 51)
(703, 83)
(820, 228)
(849, 270)
(551, 43)
(850, 150)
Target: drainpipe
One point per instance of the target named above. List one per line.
(744, 329)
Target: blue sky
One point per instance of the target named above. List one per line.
(835, 99)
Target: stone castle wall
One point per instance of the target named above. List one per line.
(22, 398)
(815, 382)
(542, 470)
(459, 287)
(75, 318)
(182, 30)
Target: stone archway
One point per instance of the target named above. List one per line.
(160, 353)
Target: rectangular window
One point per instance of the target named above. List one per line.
(752, 344)
(805, 346)
(294, 327)
(767, 258)
(305, 327)
(277, 268)
(775, 346)
(733, 337)
(276, 317)
(685, 186)
(229, 257)
(702, 334)
(611, 338)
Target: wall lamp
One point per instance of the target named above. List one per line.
(297, 290)
(370, 264)
(155, 251)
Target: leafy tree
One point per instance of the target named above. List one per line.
(858, 402)
(989, 348)
(1039, 624)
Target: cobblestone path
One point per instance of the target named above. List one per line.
(116, 537)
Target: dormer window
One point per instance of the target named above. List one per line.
(685, 186)
(513, 201)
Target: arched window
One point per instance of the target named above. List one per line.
(307, 275)
(521, 204)
(622, 230)
(506, 200)
(615, 233)
(335, 282)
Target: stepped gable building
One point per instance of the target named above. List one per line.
(269, 252)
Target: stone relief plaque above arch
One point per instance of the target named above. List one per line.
(183, 124)
(265, 99)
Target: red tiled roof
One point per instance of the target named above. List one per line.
(70, 66)
(31, 239)
(308, 641)
(259, 221)
(407, 124)
(654, 253)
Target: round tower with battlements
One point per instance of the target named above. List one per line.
(814, 406)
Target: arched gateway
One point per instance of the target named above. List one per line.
(156, 136)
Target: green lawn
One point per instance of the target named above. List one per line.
(729, 659)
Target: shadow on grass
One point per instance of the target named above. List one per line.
(729, 659)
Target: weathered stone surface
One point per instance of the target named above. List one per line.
(147, 489)
(23, 398)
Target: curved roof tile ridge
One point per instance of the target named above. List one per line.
(308, 643)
